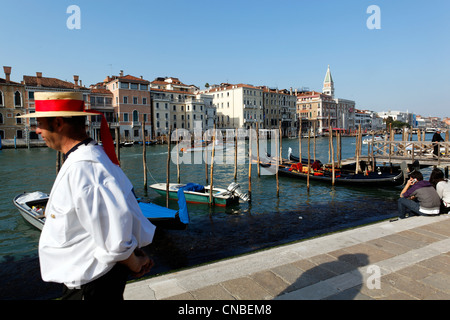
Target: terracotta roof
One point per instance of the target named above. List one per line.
(171, 91)
(101, 91)
(3, 81)
(32, 81)
(133, 78)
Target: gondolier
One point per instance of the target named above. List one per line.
(94, 227)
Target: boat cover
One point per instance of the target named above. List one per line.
(194, 187)
(151, 210)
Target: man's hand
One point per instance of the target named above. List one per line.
(138, 262)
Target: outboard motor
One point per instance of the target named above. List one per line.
(235, 189)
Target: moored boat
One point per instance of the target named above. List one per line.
(370, 179)
(32, 208)
(319, 172)
(196, 193)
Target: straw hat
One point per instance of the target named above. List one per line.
(58, 104)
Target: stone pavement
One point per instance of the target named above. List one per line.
(406, 259)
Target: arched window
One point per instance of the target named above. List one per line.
(1, 118)
(1, 99)
(135, 116)
(17, 99)
(18, 120)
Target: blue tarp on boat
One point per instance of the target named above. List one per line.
(194, 187)
(151, 210)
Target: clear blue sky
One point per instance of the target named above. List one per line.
(403, 66)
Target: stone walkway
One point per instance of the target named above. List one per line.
(406, 259)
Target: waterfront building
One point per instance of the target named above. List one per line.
(364, 118)
(177, 105)
(13, 101)
(237, 105)
(279, 107)
(132, 105)
(318, 109)
(395, 115)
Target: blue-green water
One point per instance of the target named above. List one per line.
(213, 233)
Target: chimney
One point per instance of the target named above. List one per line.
(39, 79)
(7, 73)
(121, 73)
(75, 79)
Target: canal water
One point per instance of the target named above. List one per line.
(214, 233)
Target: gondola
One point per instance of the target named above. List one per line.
(379, 179)
(32, 208)
(293, 168)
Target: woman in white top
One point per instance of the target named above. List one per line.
(442, 186)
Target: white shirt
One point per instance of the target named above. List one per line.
(92, 220)
(443, 190)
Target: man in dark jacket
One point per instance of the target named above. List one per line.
(436, 138)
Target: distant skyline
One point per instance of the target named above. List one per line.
(404, 66)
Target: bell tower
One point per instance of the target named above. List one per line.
(328, 84)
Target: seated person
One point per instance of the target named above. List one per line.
(419, 196)
(442, 186)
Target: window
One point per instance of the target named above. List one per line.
(124, 85)
(1, 98)
(125, 99)
(100, 101)
(125, 117)
(17, 99)
(144, 100)
(135, 100)
(135, 116)
(133, 86)
(144, 87)
(30, 95)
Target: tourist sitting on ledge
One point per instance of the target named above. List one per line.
(442, 186)
(419, 197)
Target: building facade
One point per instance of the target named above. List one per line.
(237, 105)
(279, 107)
(13, 101)
(179, 106)
(132, 105)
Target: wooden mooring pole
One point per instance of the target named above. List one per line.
(144, 155)
(309, 161)
(168, 170)
(211, 203)
(235, 153)
(250, 165)
(277, 151)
